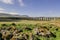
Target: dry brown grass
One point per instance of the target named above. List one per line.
(33, 22)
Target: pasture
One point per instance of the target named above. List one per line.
(30, 30)
(57, 22)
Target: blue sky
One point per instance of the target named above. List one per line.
(33, 8)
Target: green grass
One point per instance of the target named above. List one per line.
(34, 24)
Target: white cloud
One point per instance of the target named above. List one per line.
(7, 1)
(13, 13)
(2, 9)
(21, 2)
(12, 2)
(2, 12)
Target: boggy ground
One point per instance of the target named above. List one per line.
(29, 32)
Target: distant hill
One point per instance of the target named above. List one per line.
(10, 15)
(6, 16)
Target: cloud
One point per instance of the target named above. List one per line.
(7, 1)
(21, 2)
(13, 13)
(3, 12)
(2, 9)
(12, 2)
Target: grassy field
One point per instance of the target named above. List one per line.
(57, 22)
(30, 30)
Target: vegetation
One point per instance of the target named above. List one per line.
(29, 31)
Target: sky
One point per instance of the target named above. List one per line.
(33, 8)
